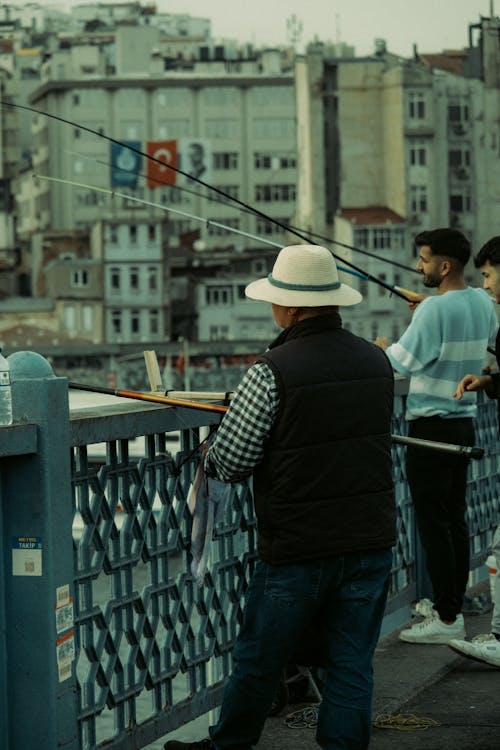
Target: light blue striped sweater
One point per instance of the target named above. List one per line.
(446, 339)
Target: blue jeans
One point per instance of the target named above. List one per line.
(344, 598)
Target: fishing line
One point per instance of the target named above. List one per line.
(185, 214)
(256, 211)
(225, 202)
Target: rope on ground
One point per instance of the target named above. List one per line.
(404, 722)
(304, 718)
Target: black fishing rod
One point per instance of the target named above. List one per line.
(256, 211)
(225, 202)
(467, 451)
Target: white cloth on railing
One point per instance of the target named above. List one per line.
(206, 501)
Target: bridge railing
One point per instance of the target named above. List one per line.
(106, 639)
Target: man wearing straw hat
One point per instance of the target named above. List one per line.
(311, 422)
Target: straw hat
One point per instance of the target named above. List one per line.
(303, 276)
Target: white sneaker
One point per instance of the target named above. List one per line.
(484, 648)
(434, 630)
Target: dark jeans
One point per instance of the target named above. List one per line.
(346, 597)
(437, 484)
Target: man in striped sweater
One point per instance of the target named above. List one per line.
(447, 338)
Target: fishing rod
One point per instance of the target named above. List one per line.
(467, 451)
(153, 397)
(407, 294)
(185, 214)
(256, 211)
(225, 202)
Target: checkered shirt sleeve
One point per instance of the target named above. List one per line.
(241, 437)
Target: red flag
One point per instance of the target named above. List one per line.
(165, 151)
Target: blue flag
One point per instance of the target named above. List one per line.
(125, 164)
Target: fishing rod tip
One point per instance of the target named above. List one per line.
(476, 452)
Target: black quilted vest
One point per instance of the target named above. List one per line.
(325, 485)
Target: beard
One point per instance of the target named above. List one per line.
(432, 281)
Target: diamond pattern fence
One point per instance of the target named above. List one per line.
(153, 648)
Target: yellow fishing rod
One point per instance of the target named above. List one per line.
(473, 452)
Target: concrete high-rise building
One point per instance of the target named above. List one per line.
(229, 122)
(397, 146)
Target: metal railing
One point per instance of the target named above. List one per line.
(106, 639)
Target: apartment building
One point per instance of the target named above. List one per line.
(234, 120)
(398, 146)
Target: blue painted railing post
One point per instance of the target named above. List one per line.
(39, 696)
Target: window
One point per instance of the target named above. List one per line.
(381, 289)
(259, 267)
(113, 233)
(416, 105)
(273, 161)
(173, 196)
(226, 160)
(179, 227)
(175, 129)
(269, 193)
(222, 128)
(151, 232)
(382, 239)
(152, 278)
(460, 203)
(264, 226)
(459, 160)
(134, 278)
(361, 238)
(135, 326)
(418, 199)
(132, 233)
(219, 295)
(232, 190)
(116, 321)
(418, 154)
(218, 231)
(458, 113)
(154, 319)
(115, 277)
(69, 316)
(79, 278)
(76, 100)
(89, 199)
(274, 128)
(87, 318)
(218, 333)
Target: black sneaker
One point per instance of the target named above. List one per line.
(178, 745)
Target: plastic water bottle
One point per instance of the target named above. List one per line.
(5, 392)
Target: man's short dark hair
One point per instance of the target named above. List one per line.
(490, 251)
(451, 243)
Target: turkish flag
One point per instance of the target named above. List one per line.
(158, 174)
